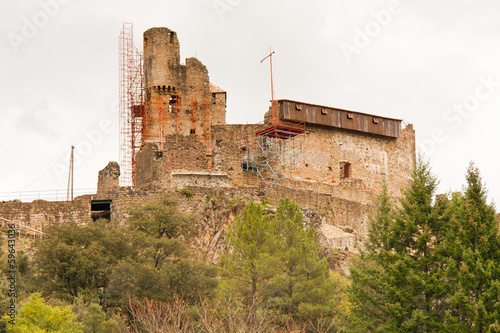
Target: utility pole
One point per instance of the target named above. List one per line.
(70, 176)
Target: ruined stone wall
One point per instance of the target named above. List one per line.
(108, 180)
(370, 158)
(41, 214)
(228, 148)
(339, 223)
(231, 152)
(343, 222)
(321, 157)
(181, 152)
(218, 108)
(340, 212)
(178, 97)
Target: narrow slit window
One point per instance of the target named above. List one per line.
(345, 170)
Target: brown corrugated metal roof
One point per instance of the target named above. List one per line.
(340, 118)
(329, 107)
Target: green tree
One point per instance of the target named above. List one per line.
(367, 291)
(405, 258)
(75, 259)
(160, 218)
(161, 266)
(246, 270)
(474, 246)
(93, 319)
(276, 262)
(37, 317)
(301, 288)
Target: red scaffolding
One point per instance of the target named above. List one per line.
(131, 114)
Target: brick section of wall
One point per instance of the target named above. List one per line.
(108, 180)
(41, 214)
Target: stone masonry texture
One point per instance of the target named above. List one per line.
(187, 145)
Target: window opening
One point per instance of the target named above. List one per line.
(100, 209)
(345, 170)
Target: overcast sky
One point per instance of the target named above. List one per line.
(435, 64)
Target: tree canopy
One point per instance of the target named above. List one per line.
(430, 263)
(276, 260)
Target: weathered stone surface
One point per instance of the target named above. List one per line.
(187, 145)
(108, 180)
(41, 214)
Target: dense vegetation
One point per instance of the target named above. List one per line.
(430, 264)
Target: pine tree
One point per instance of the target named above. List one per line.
(302, 287)
(367, 291)
(277, 261)
(474, 246)
(404, 258)
(415, 267)
(247, 269)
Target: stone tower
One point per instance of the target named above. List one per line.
(181, 107)
(179, 98)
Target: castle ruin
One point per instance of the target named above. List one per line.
(327, 159)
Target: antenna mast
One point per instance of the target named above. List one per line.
(270, 56)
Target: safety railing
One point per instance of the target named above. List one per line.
(47, 195)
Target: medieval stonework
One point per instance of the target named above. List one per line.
(331, 161)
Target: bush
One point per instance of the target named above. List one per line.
(187, 192)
